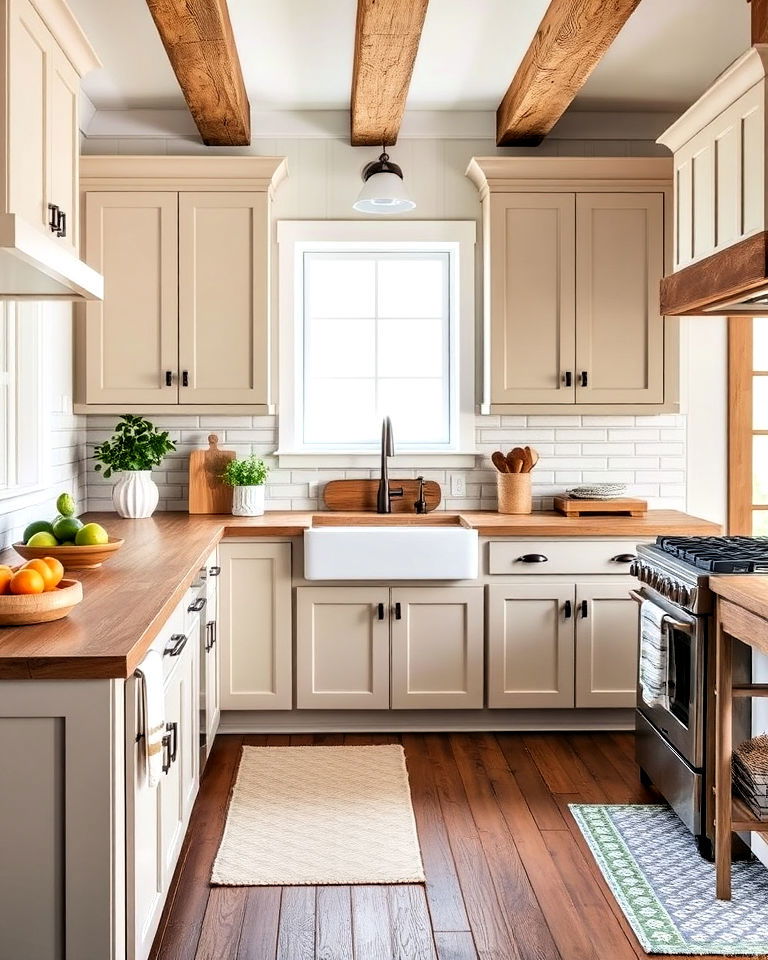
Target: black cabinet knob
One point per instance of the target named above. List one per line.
(584, 379)
(567, 610)
(185, 378)
(568, 378)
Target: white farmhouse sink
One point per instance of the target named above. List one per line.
(390, 548)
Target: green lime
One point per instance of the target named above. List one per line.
(39, 526)
(66, 505)
(91, 535)
(42, 539)
(66, 528)
(67, 543)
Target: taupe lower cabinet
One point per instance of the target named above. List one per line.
(560, 644)
(378, 648)
(184, 247)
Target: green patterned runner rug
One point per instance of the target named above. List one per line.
(667, 890)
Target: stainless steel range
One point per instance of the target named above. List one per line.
(674, 741)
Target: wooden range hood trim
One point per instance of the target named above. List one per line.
(718, 280)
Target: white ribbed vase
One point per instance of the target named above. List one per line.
(135, 494)
(248, 501)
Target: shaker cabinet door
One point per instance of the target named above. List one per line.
(606, 645)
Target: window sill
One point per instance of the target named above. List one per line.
(428, 460)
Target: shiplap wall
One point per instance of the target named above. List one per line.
(648, 453)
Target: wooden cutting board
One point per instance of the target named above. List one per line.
(573, 507)
(361, 495)
(207, 493)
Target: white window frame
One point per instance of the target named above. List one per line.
(20, 325)
(456, 237)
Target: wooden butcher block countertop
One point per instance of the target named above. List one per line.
(128, 599)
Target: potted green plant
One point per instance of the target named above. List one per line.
(247, 478)
(133, 449)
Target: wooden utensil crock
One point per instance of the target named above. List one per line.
(514, 492)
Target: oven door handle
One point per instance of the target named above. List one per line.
(675, 624)
(637, 597)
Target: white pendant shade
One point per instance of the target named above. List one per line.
(383, 193)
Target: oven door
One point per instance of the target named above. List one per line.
(682, 724)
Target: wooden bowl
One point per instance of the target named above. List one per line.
(73, 558)
(40, 607)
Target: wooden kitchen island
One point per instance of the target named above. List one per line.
(742, 615)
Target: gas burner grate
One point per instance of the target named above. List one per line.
(719, 554)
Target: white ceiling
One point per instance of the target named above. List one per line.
(297, 54)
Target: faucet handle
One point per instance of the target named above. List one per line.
(421, 504)
(396, 492)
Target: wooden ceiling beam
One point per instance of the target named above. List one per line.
(387, 38)
(197, 36)
(572, 37)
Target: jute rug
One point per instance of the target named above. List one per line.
(319, 815)
(666, 890)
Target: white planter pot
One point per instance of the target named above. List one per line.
(248, 501)
(135, 494)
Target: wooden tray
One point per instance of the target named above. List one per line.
(73, 557)
(40, 607)
(572, 507)
(361, 495)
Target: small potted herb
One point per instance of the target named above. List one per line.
(132, 450)
(247, 478)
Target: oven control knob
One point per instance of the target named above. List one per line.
(685, 596)
(634, 568)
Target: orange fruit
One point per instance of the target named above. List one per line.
(27, 581)
(5, 578)
(49, 577)
(57, 569)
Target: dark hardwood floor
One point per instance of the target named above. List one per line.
(509, 876)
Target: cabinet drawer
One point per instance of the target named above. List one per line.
(507, 557)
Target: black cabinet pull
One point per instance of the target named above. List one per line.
(533, 558)
(168, 378)
(61, 224)
(166, 741)
(623, 558)
(380, 611)
(567, 610)
(398, 612)
(584, 609)
(173, 729)
(53, 223)
(210, 631)
(568, 378)
(185, 378)
(198, 605)
(584, 379)
(214, 571)
(177, 644)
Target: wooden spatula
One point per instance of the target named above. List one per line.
(516, 459)
(500, 461)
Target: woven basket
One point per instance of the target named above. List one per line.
(514, 492)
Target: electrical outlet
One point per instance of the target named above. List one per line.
(458, 485)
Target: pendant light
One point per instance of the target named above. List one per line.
(383, 189)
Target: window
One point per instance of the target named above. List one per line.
(376, 320)
(20, 402)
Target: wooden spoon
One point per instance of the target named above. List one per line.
(500, 462)
(534, 457)
(528, 460)
(516, 459)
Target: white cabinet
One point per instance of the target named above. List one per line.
(184, 247)
(606, 645)
(255, 618)
(437, 647)
(342, 648)
(531, 644)
(210, 659)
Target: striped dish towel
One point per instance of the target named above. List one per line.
(654, 656)
(150, 672)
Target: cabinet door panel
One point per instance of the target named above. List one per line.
(620, 263)
(64, 92)
(530, 645)
(532, 275)
(224, 297)
(342, 648)
(171, 785)
(255, 626)
(606, 645)
(437, 648)
(132, 336)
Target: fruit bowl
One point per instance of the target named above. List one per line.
(16, 610)
(73, 557)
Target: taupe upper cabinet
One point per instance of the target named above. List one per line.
(574, 252)
(184, 246)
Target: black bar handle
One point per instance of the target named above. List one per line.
(198, 605)
(380, 611)
(210, 630)
(533, 558)
(584, 609)
(623, 558)
(53, 223)
(567, 610)
(173, 729)
(177, 644)
(398, 612)
(584, 378)
(185, 378)
(61, 224)
(166, 741)
(169, 378)
(568, 378)
(214, 571)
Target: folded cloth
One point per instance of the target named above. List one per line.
(150, 672)
(654, 656)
